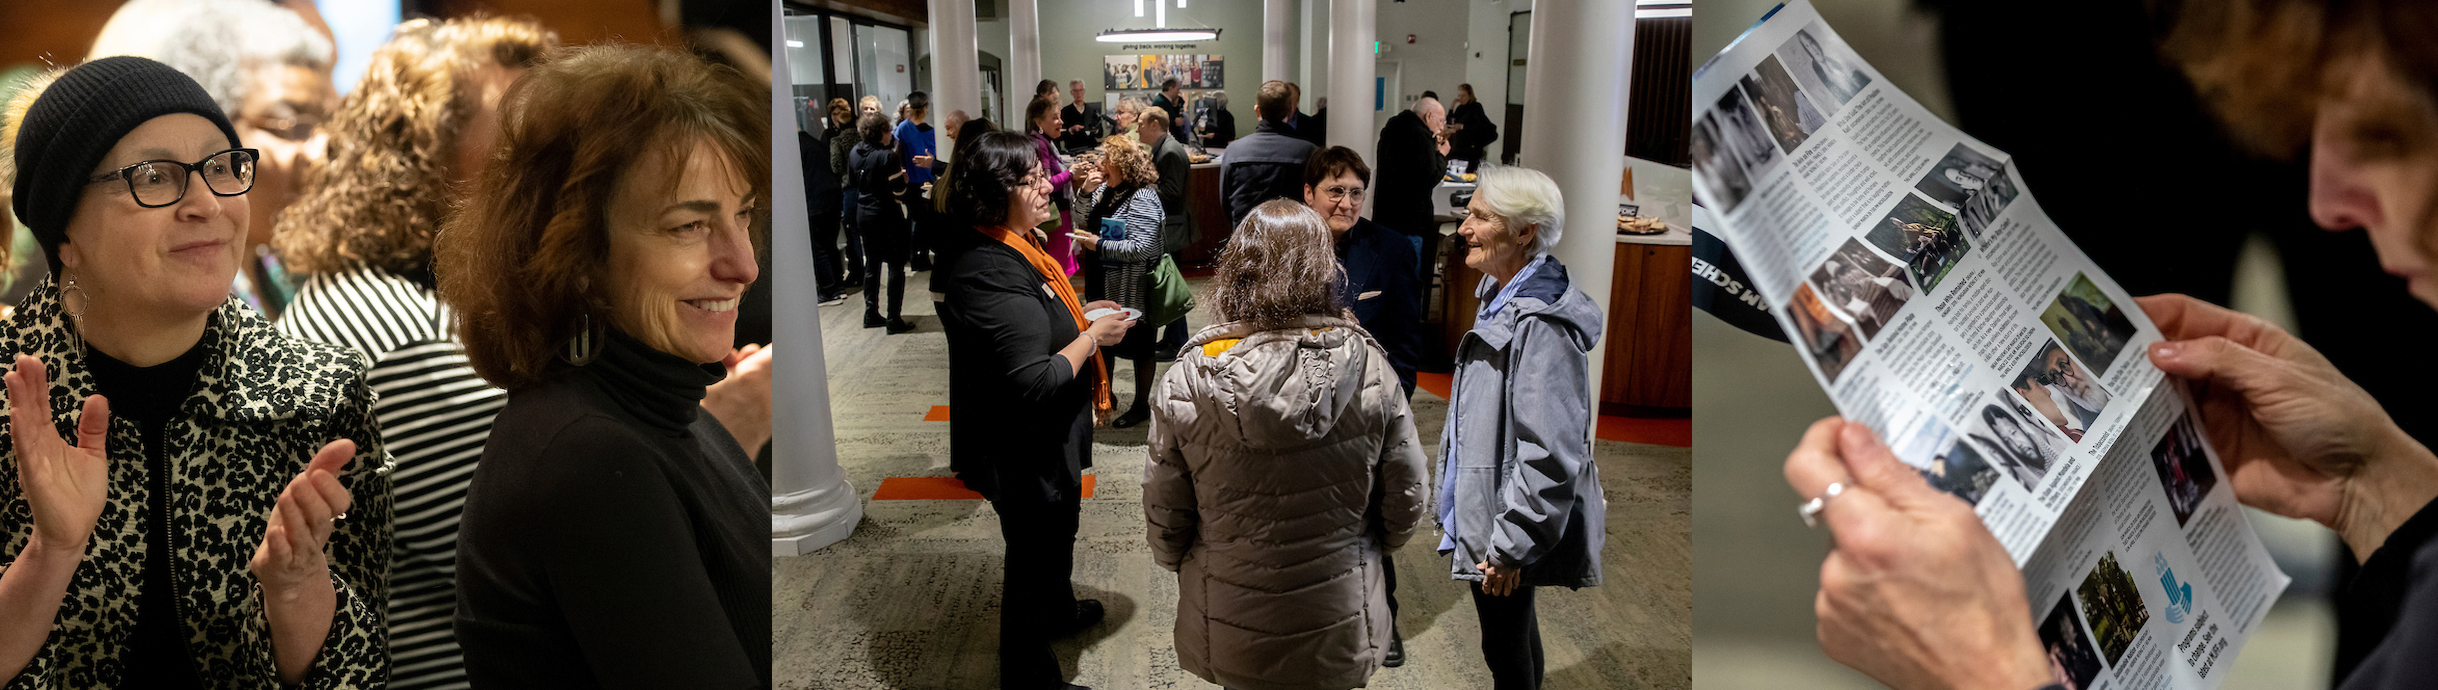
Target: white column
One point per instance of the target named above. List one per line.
(1352, 25)
(1274, 15)
(956, 65)
(1575, 81)
(811, 503)
(1024, 59)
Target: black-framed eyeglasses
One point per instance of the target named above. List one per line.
(158, 183)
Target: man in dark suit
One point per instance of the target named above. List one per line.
(1179, 231)
(1379, 289)
(1412, 159)
(1301, 123)
(1267, 165)
(821, 196)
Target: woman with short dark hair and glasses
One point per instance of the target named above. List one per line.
(1025, 362)
(203, 502)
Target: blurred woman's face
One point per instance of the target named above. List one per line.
(681, 253)
(171, 262)
(2374, 165)
(481, 93)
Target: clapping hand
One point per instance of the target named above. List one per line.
(65, 485)
(291, 554)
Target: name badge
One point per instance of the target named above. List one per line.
(1367, 295)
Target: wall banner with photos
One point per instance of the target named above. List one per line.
(1121, 72)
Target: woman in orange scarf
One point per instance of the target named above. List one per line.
(1026, 385)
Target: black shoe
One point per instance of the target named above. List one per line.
(833, 299)
(1088, 613)
(1396, 652)
(897, 326)
(1166, 355)
(872, 320)
(1134, 415)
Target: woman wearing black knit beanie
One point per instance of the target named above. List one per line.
(202, 502)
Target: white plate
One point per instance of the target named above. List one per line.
(1097, 314)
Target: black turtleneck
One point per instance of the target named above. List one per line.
(615, 531)
(156, 655)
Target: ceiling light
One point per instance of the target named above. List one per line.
(1158, 35)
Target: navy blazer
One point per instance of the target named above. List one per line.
(1381, 263)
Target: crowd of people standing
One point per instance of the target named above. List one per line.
(1288, 422)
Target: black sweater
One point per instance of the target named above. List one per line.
(615, 536)
(157, 656)
(2388, 629)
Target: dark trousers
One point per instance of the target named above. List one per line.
(1510, 638)
(854, 235)
(1388, 569)
(825, 253)
(919, 252)
(896, 272)
(1037, 598)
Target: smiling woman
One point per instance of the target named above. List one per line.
(212, 521)
(613, 530)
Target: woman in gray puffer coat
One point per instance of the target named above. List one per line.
(1283, 462)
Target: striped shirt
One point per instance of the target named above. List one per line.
(435, 415)
(1126, 264)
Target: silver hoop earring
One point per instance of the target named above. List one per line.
(586, 345)
(69, 285)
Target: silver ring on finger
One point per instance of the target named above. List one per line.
(1810, 510)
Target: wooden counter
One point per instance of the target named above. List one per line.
(1648, 366)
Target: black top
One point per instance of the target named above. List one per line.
(1473, 142)
(615, 536)
(156, 652)
(1409, 165)
(1023, 428)
(1267, 165)
(2388, 628)
(1222, 128)
(1079, 115)
(1379, 288)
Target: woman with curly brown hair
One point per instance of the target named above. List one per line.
(422, 120)
(614, 533)
(1287, 425)
(1123, 230)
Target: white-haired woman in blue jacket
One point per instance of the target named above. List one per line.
(1519, 497)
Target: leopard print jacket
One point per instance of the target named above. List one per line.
(264, 404)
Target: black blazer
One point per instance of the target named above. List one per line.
(1021, 427)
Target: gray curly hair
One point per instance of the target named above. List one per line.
(216, 42)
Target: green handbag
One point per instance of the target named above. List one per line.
(1170, 298)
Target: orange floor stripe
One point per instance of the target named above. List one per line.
(938, 489)
(1676, 432)
(938, 413)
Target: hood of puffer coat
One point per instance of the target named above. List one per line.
(1280, 388)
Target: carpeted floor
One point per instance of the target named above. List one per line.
(912, 599)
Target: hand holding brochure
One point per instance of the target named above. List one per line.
(1936, 303)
